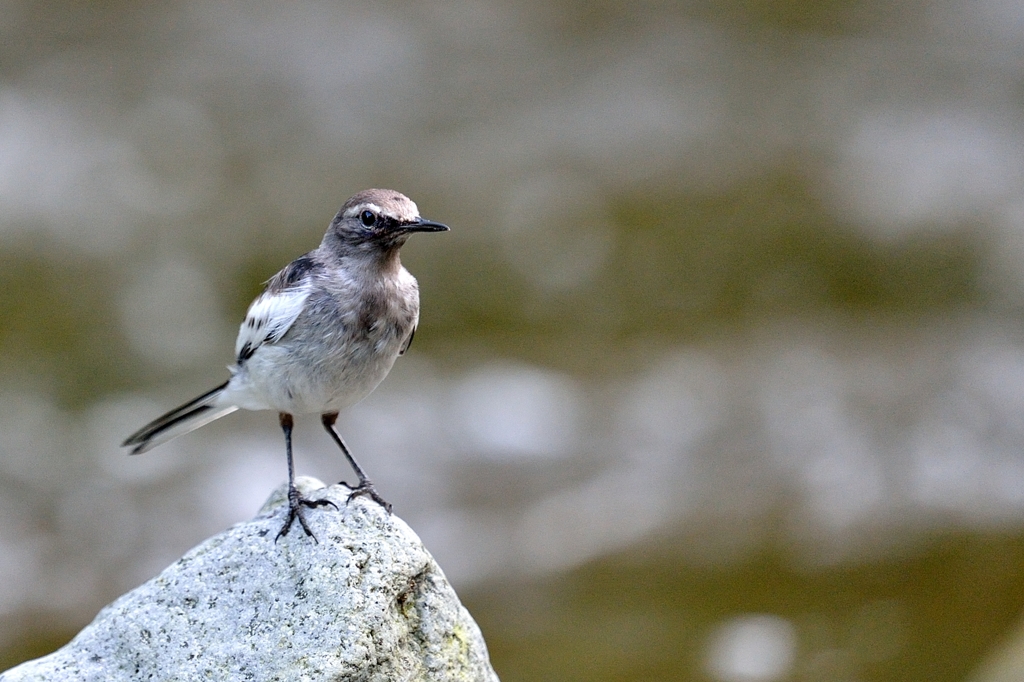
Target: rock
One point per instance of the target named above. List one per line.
(367, 602)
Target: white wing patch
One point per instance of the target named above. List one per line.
(268, 318)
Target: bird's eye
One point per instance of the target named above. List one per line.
(368, 218)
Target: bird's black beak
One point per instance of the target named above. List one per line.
(420, 225)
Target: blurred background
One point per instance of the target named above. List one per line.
(720, 371)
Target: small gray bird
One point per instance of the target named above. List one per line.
(322, 335)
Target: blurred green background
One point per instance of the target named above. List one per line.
(720, 372)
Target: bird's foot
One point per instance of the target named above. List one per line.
(366, 488)
(296, 502)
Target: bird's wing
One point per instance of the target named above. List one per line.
(276, 309)
(408, 342)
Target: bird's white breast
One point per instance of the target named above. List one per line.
(340, 346)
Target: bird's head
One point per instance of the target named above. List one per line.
(379, 219)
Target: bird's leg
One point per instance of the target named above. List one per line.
(365, 486)
(296, 501)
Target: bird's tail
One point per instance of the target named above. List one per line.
(178, 421)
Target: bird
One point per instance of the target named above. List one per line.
(321, 336)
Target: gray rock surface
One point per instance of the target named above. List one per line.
(365, 603)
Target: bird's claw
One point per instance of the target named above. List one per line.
(365, 488)
(295, 504)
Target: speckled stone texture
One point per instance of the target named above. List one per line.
(366, 603)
